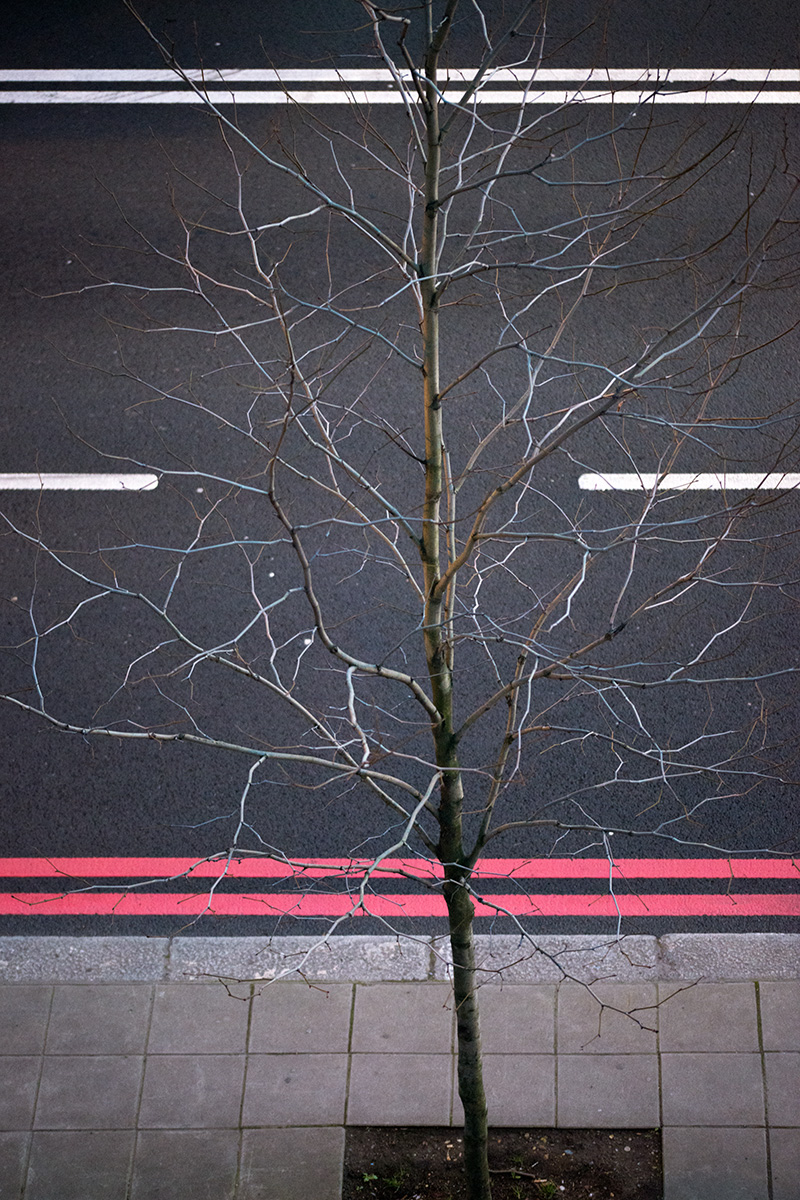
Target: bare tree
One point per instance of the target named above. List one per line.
(415, 329)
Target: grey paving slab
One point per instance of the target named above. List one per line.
(13, 1162)
(100, 1018)
(82, 960)
(785, 1161)
(710, 1016)
(607, 1018)
(338, 959)
(19, 1076)
(293, 1017)
(89, 1092)
(780, 1014)
(295, 1089)
(714, 1164)
(783, 1089)
(192, 1091)
(90, 1165)
(712, 1089)
(520, 1089)
(291, 1164)
(400, 1089)
(517, 1020)
(171, 1163)
(203, 1019)
(607, 1091)
(403, 1018)
(24, 1011)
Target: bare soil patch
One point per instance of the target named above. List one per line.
(527, 1164)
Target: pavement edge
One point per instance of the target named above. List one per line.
(502, 959)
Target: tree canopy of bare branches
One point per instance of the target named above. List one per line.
(423, 338)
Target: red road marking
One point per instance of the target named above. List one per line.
(318, 868)
(502, 871)
(140, 904)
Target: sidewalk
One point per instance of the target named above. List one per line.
(126, 1072)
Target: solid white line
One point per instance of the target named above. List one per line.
(288, 85)
(352, 96)
(673, 481)
(381, 75)
(36, 482)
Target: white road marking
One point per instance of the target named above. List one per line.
(381, 74)
(661, 86)
(674, 481)
(350, 96)
(50, 481)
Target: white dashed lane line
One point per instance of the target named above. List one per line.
(698, 482)
(60, 482)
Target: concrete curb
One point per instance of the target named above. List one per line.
(713, 957)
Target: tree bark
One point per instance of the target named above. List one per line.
(461, 912)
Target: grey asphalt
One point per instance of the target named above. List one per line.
(141, 1068)
(67, 33)
(65, 796)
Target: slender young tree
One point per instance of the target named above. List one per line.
(416, 328)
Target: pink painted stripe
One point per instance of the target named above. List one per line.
(149, 904)
(318, 868)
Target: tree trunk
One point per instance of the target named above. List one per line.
(461, 911)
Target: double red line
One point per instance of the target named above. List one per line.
(505, 886)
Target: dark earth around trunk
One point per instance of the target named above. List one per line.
(526, 1164)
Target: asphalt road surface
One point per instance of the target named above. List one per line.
(90, 158)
